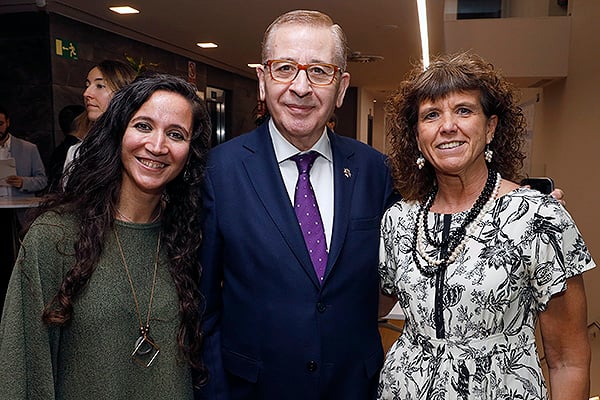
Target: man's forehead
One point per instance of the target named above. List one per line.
(288, 41)
(298, 26)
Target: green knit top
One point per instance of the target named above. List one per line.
(90, 356)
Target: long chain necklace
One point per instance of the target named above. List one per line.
(456, 241)
(145, 350)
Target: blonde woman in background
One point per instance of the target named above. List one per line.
(101, 83)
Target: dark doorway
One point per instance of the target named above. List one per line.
(215, 102)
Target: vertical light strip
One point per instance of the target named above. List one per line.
(422, 11)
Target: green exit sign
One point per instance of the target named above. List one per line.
(66, 48)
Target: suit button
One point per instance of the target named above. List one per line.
(321, 307)
(311, 366)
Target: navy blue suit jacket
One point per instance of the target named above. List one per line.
(274, 332)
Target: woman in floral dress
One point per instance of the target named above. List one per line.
(475, 260)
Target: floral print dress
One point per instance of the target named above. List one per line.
(469, 331)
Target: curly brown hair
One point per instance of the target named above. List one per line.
(444, 76)
(92, 193)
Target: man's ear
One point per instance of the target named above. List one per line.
(260, 73)
(344, 83)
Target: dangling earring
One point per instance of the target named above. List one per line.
(187, 176)
(488, 153)
(420, 161)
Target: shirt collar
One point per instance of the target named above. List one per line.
(284, 149)
(6, 144)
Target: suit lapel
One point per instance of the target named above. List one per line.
(345, 174)
(265, 177)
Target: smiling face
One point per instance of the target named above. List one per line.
(452, 133)
(300, 109)
(156, 144)
(97, 94)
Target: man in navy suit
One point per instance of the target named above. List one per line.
(275, 329)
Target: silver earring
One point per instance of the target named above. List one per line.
(187, 176)
(420, 161)
(488, 153)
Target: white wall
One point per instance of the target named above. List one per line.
(534, 48)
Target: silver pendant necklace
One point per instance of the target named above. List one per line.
(145, 349)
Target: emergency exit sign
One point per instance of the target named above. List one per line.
(66, 48)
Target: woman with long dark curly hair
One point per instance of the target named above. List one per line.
(103, 302)
(474, 259)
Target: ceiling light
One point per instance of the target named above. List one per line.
(124, 10)
(207, 45)
(422, 11)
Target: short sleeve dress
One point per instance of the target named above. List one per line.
(521, 254)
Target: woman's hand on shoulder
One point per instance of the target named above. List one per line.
(559, 195)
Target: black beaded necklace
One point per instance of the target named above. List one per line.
(453, 240)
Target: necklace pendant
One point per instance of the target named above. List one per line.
(145, 351)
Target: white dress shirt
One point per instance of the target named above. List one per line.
(5, 149)
(321, 173)
(5, 155)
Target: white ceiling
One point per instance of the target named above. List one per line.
(387, 28)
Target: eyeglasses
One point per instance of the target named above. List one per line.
(285, 71)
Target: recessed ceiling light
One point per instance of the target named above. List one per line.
(124, 10)
(254, 65)
(207, 45)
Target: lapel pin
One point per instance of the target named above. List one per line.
(347, 173)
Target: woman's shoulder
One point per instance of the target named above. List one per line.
(50, 239)
(525, 201)
(53, 222)
(522, 193)
(401, 209)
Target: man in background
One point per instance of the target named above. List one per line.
(30, 174)
(30, 177)
(71, 120)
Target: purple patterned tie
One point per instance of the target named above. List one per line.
(307, 211)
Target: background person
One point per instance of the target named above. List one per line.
(475, 260)
(102, 82)
(103, 301)
(279, 325)
(30, 178)
(71, 119)
(30, 173)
